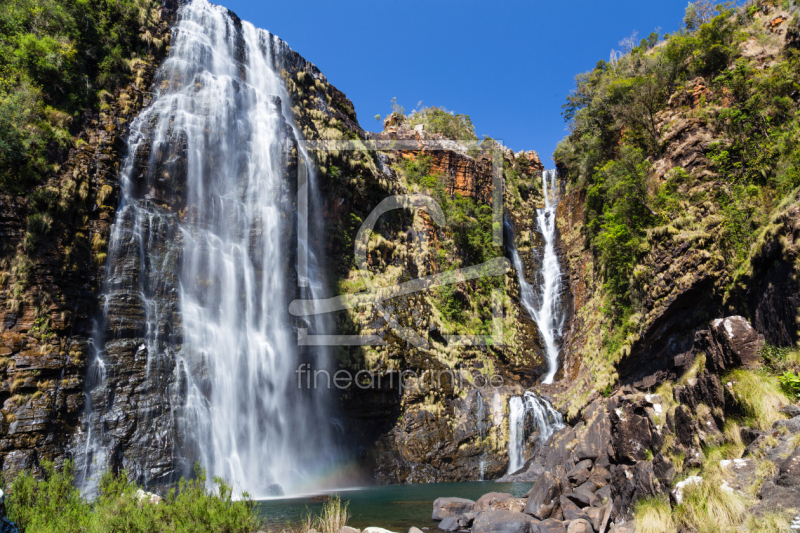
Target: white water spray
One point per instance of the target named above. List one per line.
(544, 305)
(235, 401)
(542, 418)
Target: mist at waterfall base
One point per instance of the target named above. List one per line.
(543, 303)
(213, 282)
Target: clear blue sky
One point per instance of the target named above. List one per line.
(509, 65)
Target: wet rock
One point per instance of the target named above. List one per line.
(348, 529)
(450, 524)
(544, 496)
(449, 507)
(504, 522)
(580, 526)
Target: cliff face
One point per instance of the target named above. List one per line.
(52, 263)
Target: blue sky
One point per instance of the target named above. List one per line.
(509, 65)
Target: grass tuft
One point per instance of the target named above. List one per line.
(758, 395)
(710, 507)
(654, 515)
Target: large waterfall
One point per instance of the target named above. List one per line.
(203, 250)
(544, 303)
(529, 415)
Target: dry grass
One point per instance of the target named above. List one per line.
(333, 517)
(767, 523)
(759, 395)
(654, 515)
(708, 507)
(765, 470)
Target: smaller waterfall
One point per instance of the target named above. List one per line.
(529, 411)
(544, 305)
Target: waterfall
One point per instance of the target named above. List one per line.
(544, 305)
(529, 411)
(203, 249)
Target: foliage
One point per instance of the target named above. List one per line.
(54, 504)
(333, 517)
(790, 384)
(708, 507)
(654, 515)
(758, 395)
(440, 120)
(55, 55)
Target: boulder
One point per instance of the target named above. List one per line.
(376, 530)
(447, 507)
(504, 522)
(495, 501)
(580, 526)
(465, 520)
(578, 476)
(413, 529)
(588, 487)
(596, 515)
(593, 440)
(543, 496)
(630, 435)
(603, 494)
(348, 529)
(732, 342)
(450, 524)
(791, 410)
(551, 526)
(600, 476)
(792, 425)
(570, 509)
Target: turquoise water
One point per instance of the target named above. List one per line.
(394, 507)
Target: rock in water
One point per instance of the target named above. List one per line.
(448, 507)
(504, 522)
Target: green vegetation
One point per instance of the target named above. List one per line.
(53, 504)
(436, 120)
(758, 395)
(622, 115)
(57, 57)
(333, 517)
(710, 507)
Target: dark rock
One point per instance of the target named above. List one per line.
(544, 496)
(580, 525)
(733, 342)
(789, 470)
(792, 424)
(749, 434)
(578, 476)
(466, 519)
(645, 481)
(503, 522)
(447, 507)
(604, 493)
(663, 469)
(450, 524)
(791, 410)
(622, 487)
(588, 487)
(570, 509)
(551, 526)
(684, 427)
(600, 476)
(594, 439)
(581, 498)
(585, 463)
(596, 517)
(630, 435)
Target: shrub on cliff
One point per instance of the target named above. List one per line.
(54, 504)
(447, 123)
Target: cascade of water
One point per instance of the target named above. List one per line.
(531, 411)
(214, 274)
(544, 305)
